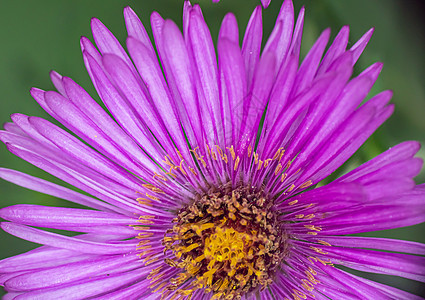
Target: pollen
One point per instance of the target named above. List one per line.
(228, 243)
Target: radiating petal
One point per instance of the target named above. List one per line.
(64, 242)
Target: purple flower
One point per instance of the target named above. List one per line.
(203, 180)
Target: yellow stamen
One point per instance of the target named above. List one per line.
(260, 163)
(163, 178)
(236, 163)
(232, 152)
(152, 197)
(266, 162)
(306, 184)
(278, 168)
(153, 188)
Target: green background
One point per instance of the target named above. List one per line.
(37, 36)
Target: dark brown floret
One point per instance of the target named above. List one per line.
(228, 242)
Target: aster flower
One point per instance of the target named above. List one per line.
(203, 181)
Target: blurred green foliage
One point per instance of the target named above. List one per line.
(38, 36)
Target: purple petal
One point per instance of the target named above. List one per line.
(40, 258)
(251, 45)
(80, 152)
(57, 81)
(104, 123)
(65, 242)
(71, 272)
(265, 3)
(335, 50)
(135, 28)
(309, 66)
(408, 266)
(86, 289)
(409, 210)
(377, 243)
(52, 189)
(181, 81)
(44, 216)
(151, 74)
(233, 88)
(122, 111)
(281, 36)
(358, 47)
(395, 154)
(107, 43)
(256, 102)
(229, 28)
(204, 58)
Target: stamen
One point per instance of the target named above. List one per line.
(236, 163)
(306, 184)
(324, 243)
(291, 188)
(228, 244)
(163, 178)
(260, 163)
(153, 188)
(179, 154)
(232, 152)
(278, 168)
(152, 197)
(144, 201)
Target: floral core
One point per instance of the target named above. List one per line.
(228, 241)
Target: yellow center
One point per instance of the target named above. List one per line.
(225, 244)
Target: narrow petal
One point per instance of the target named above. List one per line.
(281, 36)
(107, 43)
(64, 242)
(409, 211)
(57, 82)
(395, 154)
(181, 81)
(358, 47)
(265, 3)
(85, 289)
(80, 152)
(40, 258)
(377, 243)
(335, 50)
(233, 89)
(52, 189)
(251, 45)
(309, 66)
(408, 266)
(204, 58)
(229, 28)
(122, 111)
(151, 74)
(93, 267)
(105, 123)
(135, 28)
(44, 216)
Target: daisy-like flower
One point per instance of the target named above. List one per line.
(202, 180)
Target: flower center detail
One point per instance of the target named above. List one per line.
(228, 242)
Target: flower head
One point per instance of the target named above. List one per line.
(202, 182)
